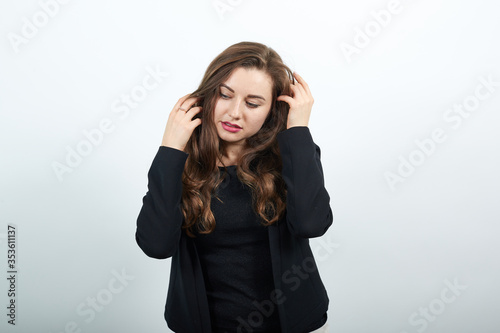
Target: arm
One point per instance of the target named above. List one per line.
(308, 204)
(160, 219)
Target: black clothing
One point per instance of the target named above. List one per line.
(298, 296)
(236, 259)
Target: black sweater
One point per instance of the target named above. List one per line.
(299, 296)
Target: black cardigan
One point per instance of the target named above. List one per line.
(300, 295)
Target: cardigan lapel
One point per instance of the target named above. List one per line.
(275, 249)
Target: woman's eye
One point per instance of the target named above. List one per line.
(252, 105)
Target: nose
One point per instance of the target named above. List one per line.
(235, 109)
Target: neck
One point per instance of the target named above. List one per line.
(231, 155)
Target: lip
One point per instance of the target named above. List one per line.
(229, 128)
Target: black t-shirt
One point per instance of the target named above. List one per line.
(236, 262)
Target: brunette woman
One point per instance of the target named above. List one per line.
(235, 191)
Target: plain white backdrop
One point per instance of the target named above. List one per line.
(407, 101)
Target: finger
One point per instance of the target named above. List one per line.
(188, 103)
(300, 79)
(191, 112)
(298, 91)
(285, 98)
(302, 82)
(180, 101)
(195, 123)
(178, 105)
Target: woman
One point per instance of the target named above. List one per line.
(235, 191)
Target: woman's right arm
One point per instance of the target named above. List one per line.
(160, 219)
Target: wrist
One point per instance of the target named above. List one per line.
(166, 144)
(291, 124)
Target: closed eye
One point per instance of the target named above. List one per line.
(251, 105)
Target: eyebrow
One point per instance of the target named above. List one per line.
(250, 96)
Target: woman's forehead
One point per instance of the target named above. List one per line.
(250, 81)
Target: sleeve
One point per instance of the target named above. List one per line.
(308, 211)
(160, 219)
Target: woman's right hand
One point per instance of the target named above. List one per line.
(180, 124)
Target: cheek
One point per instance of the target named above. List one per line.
(217, 110)
(260, 119)
(264, 116)
(220, 107)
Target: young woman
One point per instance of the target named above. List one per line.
(235, 191)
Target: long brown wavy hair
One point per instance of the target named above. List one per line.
(260, 165)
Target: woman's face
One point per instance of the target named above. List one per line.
(243, 104)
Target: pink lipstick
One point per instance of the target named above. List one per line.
(230, 127)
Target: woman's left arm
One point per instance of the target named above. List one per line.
(300, 103)
(308, 211)
(308, 204)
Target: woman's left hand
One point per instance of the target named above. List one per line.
(300, 104)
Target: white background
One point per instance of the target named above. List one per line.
(392, 251)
